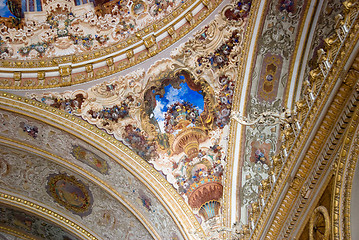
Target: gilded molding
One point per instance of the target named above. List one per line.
(317, 104)
(15, 233)
(46, 213)
(344, 173)
(81, 172)
(156, 183)
(321, 210)
(67, 78)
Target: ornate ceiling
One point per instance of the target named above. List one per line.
(117, 121)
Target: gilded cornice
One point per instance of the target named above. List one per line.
(16, 233)
(47, 213)
(74, 69)
(274, 212)
(320, 157)
(311, 168)
(344, 170)
(156, 183)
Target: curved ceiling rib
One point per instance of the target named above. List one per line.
(98, 138)
(26, 148)
(32, 220)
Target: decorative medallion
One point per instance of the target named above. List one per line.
(70, 193)
(89, 158)
(319, 224)
(269, 79)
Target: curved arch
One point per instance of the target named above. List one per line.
(343, 181)
(47, 213)
(113, 148)
(23, 146)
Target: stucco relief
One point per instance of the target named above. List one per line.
(327, 21)
(61, 144)
(64, 28)
(261, 146)
(270, 73)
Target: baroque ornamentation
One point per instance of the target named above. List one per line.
(63, 144)
(70, 193)
(63, 28)
(307, 110)
(319, 224)
(183, 134)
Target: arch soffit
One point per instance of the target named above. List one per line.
(113, 148)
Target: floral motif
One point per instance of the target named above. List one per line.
(86, 41)
(113, 113)
(39, 47)
(160, 6)
(222, 117)
(139, 142)
(145, 200)
(221, 55)
(67, 104)
(102, 39)
(241, 10)
(31, 130)
(3, 49)
(179, 115)
(287, 5)
(68, 30)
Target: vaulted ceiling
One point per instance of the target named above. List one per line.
(192, 119)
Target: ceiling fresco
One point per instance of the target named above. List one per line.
(176, 114)
(33, 176)
(78, 197)
(183, 146)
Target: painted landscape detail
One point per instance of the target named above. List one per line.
(70, 193)
(176, 114)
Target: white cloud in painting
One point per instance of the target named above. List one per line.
(2, 4)
(161, 123)
(174, 95)
(158, 111)
(159, 114)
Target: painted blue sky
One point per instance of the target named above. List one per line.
(173, 95)
(4, 10)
